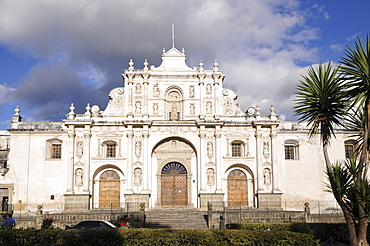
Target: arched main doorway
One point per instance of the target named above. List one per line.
(109, 189)
(174, 185)
(237, 188)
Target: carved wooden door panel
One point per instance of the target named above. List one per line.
(109, 189)
(237, 188)
(174, 191)
(180, 190)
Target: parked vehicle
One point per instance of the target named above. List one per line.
(99, 224)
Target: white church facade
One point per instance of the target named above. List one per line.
(173, 136)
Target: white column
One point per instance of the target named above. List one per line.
(86, 176)
(258, 158)
(202, 154)
(218, 163)
(145, 160)
(146, 111)
(275, 177)
(71, 145)
(201, 77)
(129, 162)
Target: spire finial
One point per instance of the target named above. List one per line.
(173, 34)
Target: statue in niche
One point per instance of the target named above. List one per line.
(138, 88)
(156, 90)
(138, 176)
(79, 177)
(192, 108)
(210, 177)
(138, 149)
(191, 91)
(209, 89)
(266, 176)
(209, 108)
(210, 149)
(80, 149)
(174, 112)
(138, 107)
(155, 108)
(266, 150)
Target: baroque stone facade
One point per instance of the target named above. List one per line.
(171, 137)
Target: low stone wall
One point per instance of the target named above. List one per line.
(63, 219)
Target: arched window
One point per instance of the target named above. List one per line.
(291, 149)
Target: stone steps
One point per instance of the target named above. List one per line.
(176, 219)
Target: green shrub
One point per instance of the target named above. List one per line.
(320, 231)
(141, 237)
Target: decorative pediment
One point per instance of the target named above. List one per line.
(116, 102)
(173, 60)
(230, 103)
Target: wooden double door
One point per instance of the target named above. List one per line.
(237, 188)
(109, 189)
(174, 185)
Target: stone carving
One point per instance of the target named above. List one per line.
(174, 112)
(192, 108)
(210, 149)
(191, 91)
(228, 107)
(210, 177)
(155, 108)
(116, 103)
(266, 150)
(174, 144)
(137, 107)
(138, 148)
(174, 96)
(138, 177)
(209, 89)
(266, 176)
(138, 88)
(156, 90)
(209, 108)
(79, 177)
(230, 103)
(95, 109)
(80, 149)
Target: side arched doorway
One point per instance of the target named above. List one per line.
(109, 189)
(174, 185)
(237, 188)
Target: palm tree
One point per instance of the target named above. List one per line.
(321, 102)
(356, 72)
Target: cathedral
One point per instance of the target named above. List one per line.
(173, 136)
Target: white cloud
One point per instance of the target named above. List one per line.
(257, 44)
(5, 90)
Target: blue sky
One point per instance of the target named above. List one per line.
(53, 53)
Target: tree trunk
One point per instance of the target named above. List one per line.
(362, 215)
